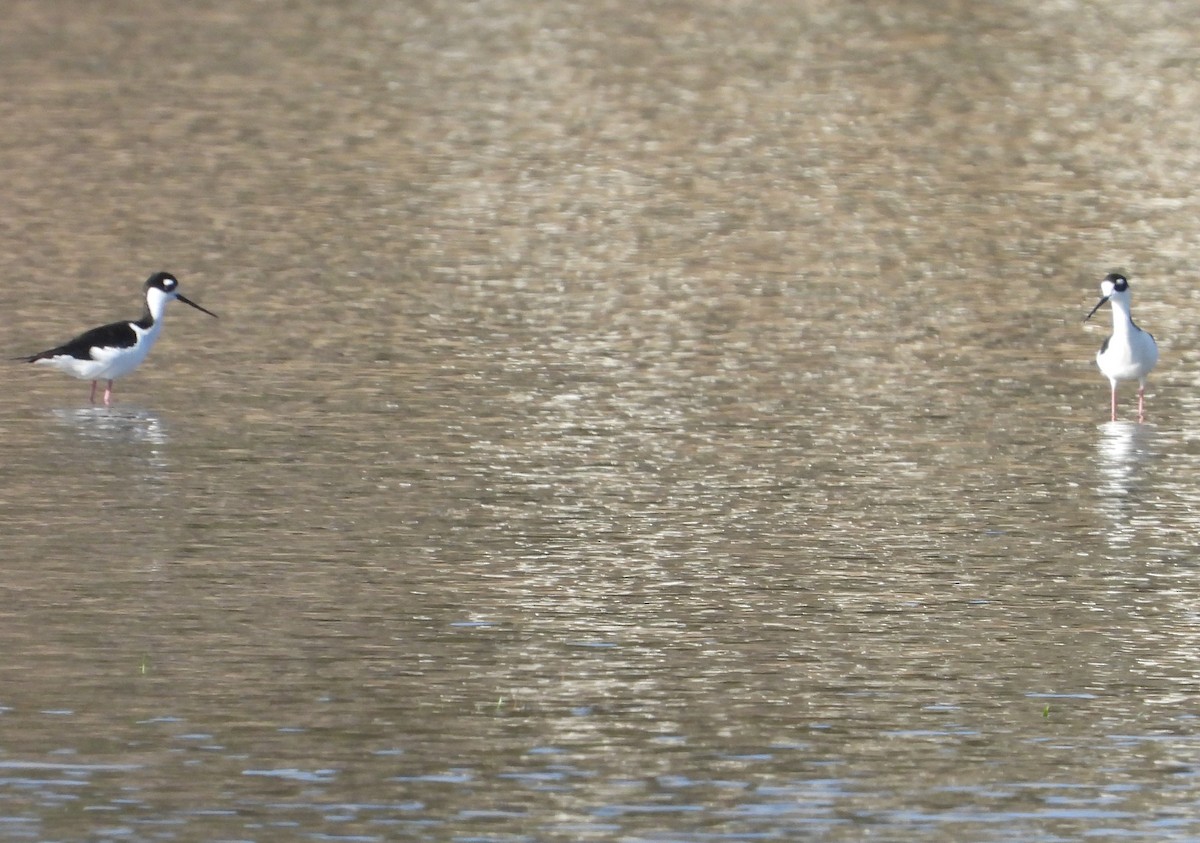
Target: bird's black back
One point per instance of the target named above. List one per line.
(116, 335)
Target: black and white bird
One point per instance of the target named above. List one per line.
(1130, 353)
(113, 351)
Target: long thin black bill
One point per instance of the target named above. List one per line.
(214, 316)
(1086, 318)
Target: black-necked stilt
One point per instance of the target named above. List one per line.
(1130, 353)
(113, 351)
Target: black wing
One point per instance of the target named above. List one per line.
(116, 335)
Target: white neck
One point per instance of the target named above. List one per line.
(1122, 320)
(156, 303)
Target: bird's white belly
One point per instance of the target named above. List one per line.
(88, 370)
(105, 363)
(118, 362)
(1128, 362)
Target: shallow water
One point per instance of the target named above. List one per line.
(625, 422)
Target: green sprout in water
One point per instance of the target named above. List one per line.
(1046, 710)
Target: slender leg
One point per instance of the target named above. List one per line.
(93, 398)
(1141, 403)
(1114, 400)
(108, 395)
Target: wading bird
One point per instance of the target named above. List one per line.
(113, 351)
(1129, 353)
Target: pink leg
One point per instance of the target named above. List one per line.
(93, 398)
(1114, 401)
(108, 395)
(1141, 403)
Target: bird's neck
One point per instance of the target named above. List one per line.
(1122, 320)
(156, 308)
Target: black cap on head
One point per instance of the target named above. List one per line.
(1119, 281)
(164, 281)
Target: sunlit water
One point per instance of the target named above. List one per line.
(625, 422)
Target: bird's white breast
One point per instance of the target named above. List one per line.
(1128, 357)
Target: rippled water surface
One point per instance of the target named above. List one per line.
(626, 421)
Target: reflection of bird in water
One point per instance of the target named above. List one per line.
(112, 351)
(1129, 353)
(119, 425)
(136, 438)
(1124, 451)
